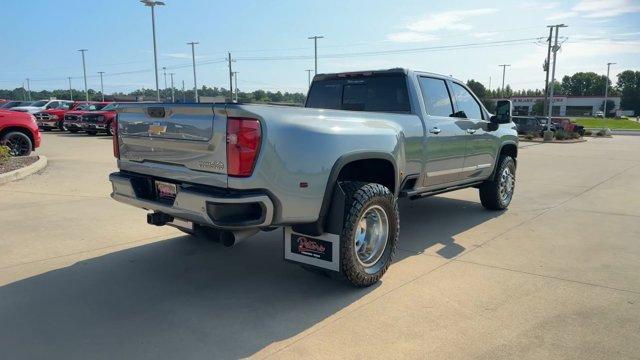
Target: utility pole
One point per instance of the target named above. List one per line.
(173, 94)
(28, 90)
(184, 98)
(489, 83)
(101, 85)
(308, 77)
(164, 70)
(84, 70)
(70, 89)
(553, 73)
(235, 79)
(546, 69)
(315, 50)
(606, 90)
(152, 5)
(504, 68)
(193, 59)
(230, 79)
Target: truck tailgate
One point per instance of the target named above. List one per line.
(178, 141)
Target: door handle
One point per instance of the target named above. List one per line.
(435, 130)
(471, 131)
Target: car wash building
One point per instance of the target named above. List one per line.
(564, 105)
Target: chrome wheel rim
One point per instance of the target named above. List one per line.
(17, 145)
(507, 184)
(370, 238)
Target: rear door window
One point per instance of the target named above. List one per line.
(466, 102)
(378, 93)
(436, 97)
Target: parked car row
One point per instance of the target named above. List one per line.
(538, 124)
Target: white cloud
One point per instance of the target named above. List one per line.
(410, 36)
(540, 5)
(419, 31)
(484, 35)
(562, 15)
(605, 8)
(178, 55)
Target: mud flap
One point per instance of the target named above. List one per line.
(321, 251)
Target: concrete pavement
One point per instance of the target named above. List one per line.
(555, 276)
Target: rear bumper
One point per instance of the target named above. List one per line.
(228, 211)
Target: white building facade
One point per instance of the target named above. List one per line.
(565, 105)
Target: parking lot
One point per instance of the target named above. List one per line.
(555, 276)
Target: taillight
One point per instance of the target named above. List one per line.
(243, 143)
(114, 132)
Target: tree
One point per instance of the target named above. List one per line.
(629, 87)
(537, 108)
(585, 84)
(611, 107)
(477, 88)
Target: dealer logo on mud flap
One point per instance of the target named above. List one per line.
(311, 247)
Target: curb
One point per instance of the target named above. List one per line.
(22, 173)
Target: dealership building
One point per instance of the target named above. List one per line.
(564, 105)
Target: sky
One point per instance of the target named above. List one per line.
(270, 45)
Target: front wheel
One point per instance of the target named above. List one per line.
(497, 192)
(19, 143)
(92, 133)
(370, 232)
(110, 129)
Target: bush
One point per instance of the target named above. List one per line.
(574, 135)
(560, 135)
(5, 153)
(588, 133)
(529, 136)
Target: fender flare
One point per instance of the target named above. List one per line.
(317, 228)
(495, 165)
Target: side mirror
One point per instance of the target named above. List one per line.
(503, 112)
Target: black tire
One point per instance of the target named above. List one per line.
(73, 131)
(18, 142)
(46, 129)
(361, 198)
(61, 126)
(92, 133)
(491, 196)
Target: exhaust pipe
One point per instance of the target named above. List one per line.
(230, 238)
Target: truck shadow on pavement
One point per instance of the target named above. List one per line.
(191, 298)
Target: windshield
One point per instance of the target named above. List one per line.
(40, 103)
(110, 107)
(90, 107)
(379, 93)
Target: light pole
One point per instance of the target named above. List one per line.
(553, 73)
(70, 89)
(546, 70)
(152, 5)
(28, 89)
(173, 94)
(230, 78)
(235, 80)
(315, 50)
(164, 71)
(308, 77)
(504, 68)
(183, 95)
(84, 70)
(101, 85)
(193, 60)
(606, 90)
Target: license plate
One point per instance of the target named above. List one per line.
(166, 190)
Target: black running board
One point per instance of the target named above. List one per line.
(413, 195)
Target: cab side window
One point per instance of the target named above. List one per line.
(436, 97)
(53, 105)
(466, 102)
(66, 105)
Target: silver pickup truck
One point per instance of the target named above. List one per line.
(330, 173)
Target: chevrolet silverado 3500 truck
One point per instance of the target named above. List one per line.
(330, 173)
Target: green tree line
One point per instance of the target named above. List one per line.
(578, 84)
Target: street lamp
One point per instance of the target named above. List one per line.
(606, 90)
(152, 5)
(84, 69)
(101, 85)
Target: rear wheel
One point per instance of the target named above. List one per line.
(92, 133)
(73, 131)
(370, 232)
(19, 143)
(61, 126)
(497, 192)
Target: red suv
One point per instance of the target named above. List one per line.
(52, 116)
(19, 131)
(100, 121)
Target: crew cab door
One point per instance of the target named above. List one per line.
(481, 143)
(445, 138)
